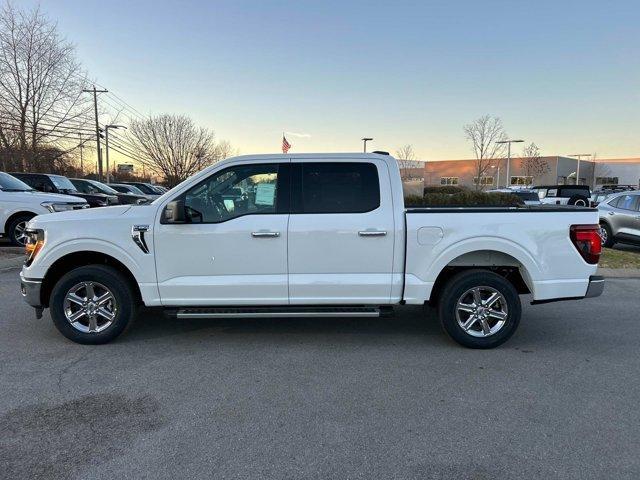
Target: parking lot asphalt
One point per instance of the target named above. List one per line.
(325, 398)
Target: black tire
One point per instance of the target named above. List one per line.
(456, 289)
(118, 285)
(13, 229)
(606, 235)
(579, 201)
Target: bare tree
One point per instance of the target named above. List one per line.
(406, 158)
(484, 133)
(533, 165)
(173, 146)
(41, 101)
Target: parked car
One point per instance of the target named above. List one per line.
(19, 203)
(527, 196)
(49, 183)
(84, 185)
(599, 196)
(146, 188)
(315, 235)
(564, 194)
(620, 219)
(126, 188)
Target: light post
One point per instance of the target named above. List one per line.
(509, 142)
(579, 157)
(365, 140)
(498, 177)
(106, 141)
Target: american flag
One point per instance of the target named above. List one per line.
(285, 145)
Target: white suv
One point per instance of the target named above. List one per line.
(19, 203)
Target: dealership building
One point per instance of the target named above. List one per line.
(559, 170)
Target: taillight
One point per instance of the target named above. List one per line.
(587, 241)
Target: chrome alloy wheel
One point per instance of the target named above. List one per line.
(20, 233)
(481, 311)
(603, 235)
(90, 307)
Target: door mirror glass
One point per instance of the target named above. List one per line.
(174, 212)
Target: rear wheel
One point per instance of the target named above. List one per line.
(17, 230)
(479, 309)
(92, 304)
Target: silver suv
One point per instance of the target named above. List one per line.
(620, 219)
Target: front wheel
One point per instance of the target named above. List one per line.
(17, 230)
(479, 309)
(92, 304)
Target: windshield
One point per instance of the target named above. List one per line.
(102, 187)
(146, 189)
(9, 183)
(62, 183)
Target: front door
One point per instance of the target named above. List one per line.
(233, 248)
(341, 233)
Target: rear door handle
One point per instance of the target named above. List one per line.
(372, 233)
(265, 234)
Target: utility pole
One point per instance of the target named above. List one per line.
(507, 182)
(95, 107)
(81, 146)
(579, 157)
(365, 140)
(106, 146)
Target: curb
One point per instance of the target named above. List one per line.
(11, 263)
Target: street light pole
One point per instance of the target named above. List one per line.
(365, 140)
(106, 144)
(579, 157)
(509, 142)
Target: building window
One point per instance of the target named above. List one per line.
(483, 180)
(521, 180)
(607, 180)
(448, 180)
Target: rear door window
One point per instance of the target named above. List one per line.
(338, 187)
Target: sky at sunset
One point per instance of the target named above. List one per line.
(564, 74)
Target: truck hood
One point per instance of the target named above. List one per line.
(32, 197)
(96, 214)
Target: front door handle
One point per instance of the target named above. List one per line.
(372, 233)
(611, 213)
(265, 234)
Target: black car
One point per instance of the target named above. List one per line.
(145, 188)
(47, 182)
(84, 185)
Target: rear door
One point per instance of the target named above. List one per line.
(341, 233)
(625, 217)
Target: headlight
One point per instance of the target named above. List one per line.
(57, 207)
(35, 242)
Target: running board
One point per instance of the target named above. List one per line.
(279, 312)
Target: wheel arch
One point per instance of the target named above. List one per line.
(68, 262)
(507, 265)
(15, 215)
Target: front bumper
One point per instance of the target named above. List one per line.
(596, 286)
(30, 289)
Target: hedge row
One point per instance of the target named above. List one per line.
(464, 198)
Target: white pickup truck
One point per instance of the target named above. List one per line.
(305, 235)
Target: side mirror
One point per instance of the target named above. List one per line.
(174, 212)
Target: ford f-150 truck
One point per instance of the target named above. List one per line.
(306, 235)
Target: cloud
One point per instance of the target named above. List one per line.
(299, 135)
